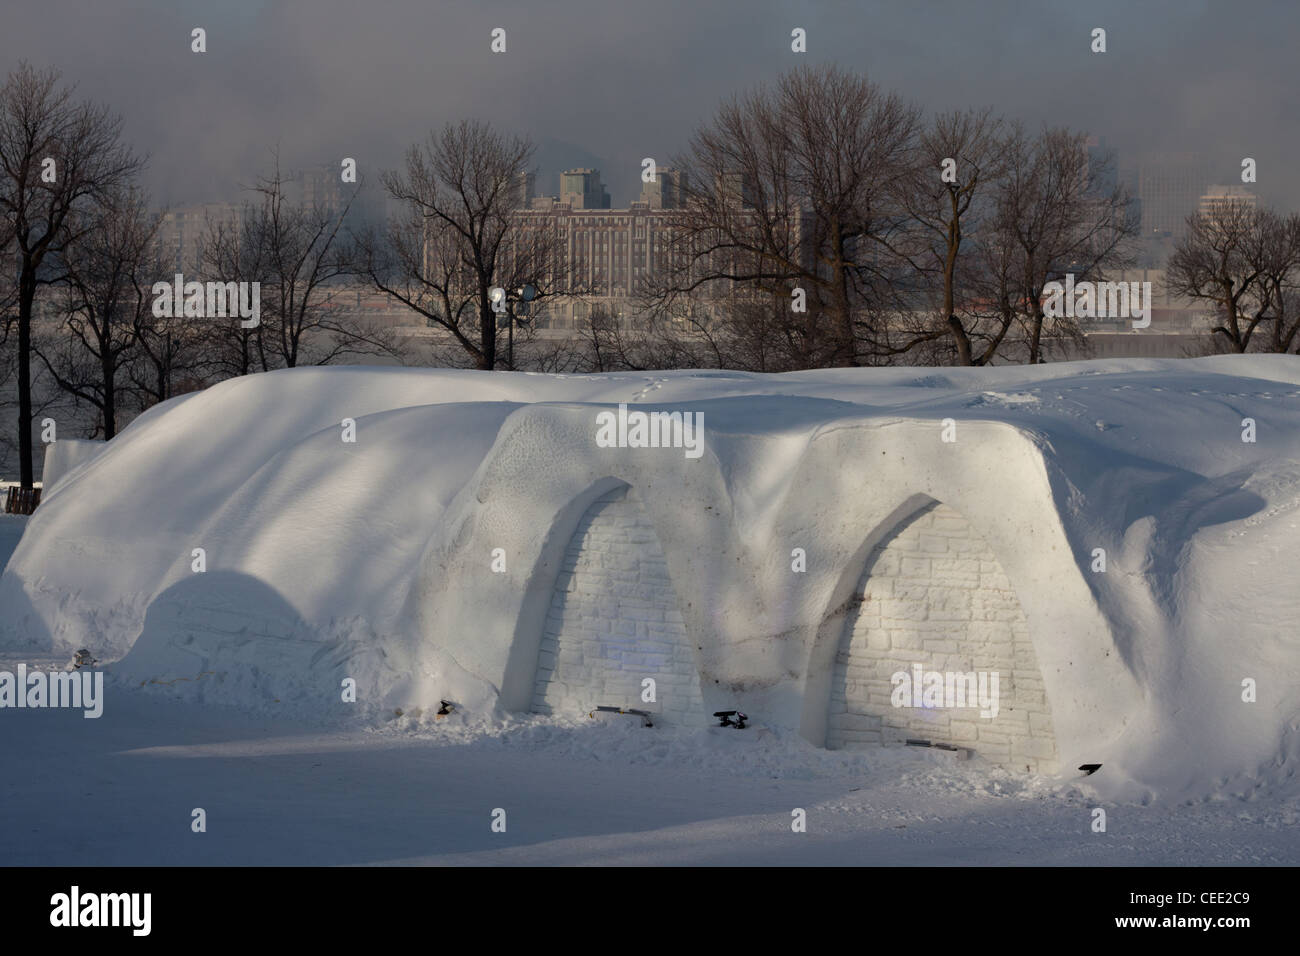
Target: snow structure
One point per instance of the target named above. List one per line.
(62, 456)
(476, 544)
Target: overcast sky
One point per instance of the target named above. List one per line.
(607, 83)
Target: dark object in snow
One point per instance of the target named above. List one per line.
(22, 501)
(911, 742)
(83, 659)
(1089, 768)
(726, 715)
(644, 715)
(962, 753)
(445, 709)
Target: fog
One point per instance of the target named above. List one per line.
(608, 83)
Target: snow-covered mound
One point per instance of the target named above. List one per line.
(64, 455)
(1118, 540)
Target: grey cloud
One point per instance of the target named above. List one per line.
(611, 82)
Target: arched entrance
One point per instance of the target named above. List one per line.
(613, 621)
(934, 595)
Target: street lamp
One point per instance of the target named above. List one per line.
(501, 300)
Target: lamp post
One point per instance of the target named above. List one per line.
(501, 300)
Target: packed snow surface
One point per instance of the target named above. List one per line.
(326, 559)
(119, 791)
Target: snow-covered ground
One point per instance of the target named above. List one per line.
(11, 530)
(120, 790)
(327, 560)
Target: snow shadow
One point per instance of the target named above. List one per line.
(121, 791)
(227, 638)
(11, 531)
(22, 626)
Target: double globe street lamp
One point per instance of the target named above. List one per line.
(502, 301)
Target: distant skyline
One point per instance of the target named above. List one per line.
(605, 84)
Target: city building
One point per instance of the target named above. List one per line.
(322, 188)
(1170, 187)
(606, 252)
(665, 191)
(610, 255)
(1216, 199)
(582, 189)
(185, 230)
(525, 190)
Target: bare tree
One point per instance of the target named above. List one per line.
(1242, 261)
(948, 194)
(8, 290)
(8, 339)
(107, 275)
(1281, 262)
(174, 354)
(612, 345)
(459, 234)
(755, 335)
(417, 262)
(299, 255)
(233, 251)
(58, 157)
(792, 188)
(998, 298)
(1056, 206)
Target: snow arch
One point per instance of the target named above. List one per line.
(614, 620)
(542, 475)
(764, 637)
(934, 596)
(904, 468)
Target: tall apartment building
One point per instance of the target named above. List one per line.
(1217, 198)
(665, 192)
(185, 229)
(323, 188)
(1103, 181)
(582, 189)
(1170, 188)
(1103, 171)
(525, 189)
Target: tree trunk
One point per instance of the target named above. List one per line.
(26, 297)
(964, 356)
(949, 281)
(1035, 340)
(110, 393)
(949, 298)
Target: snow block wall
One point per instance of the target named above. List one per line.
(935, 595)
(818, 475)
(614, 621)
(1099, 533)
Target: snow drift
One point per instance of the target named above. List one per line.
(64, 455)
(471, 542)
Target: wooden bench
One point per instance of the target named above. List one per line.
(22, 501)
